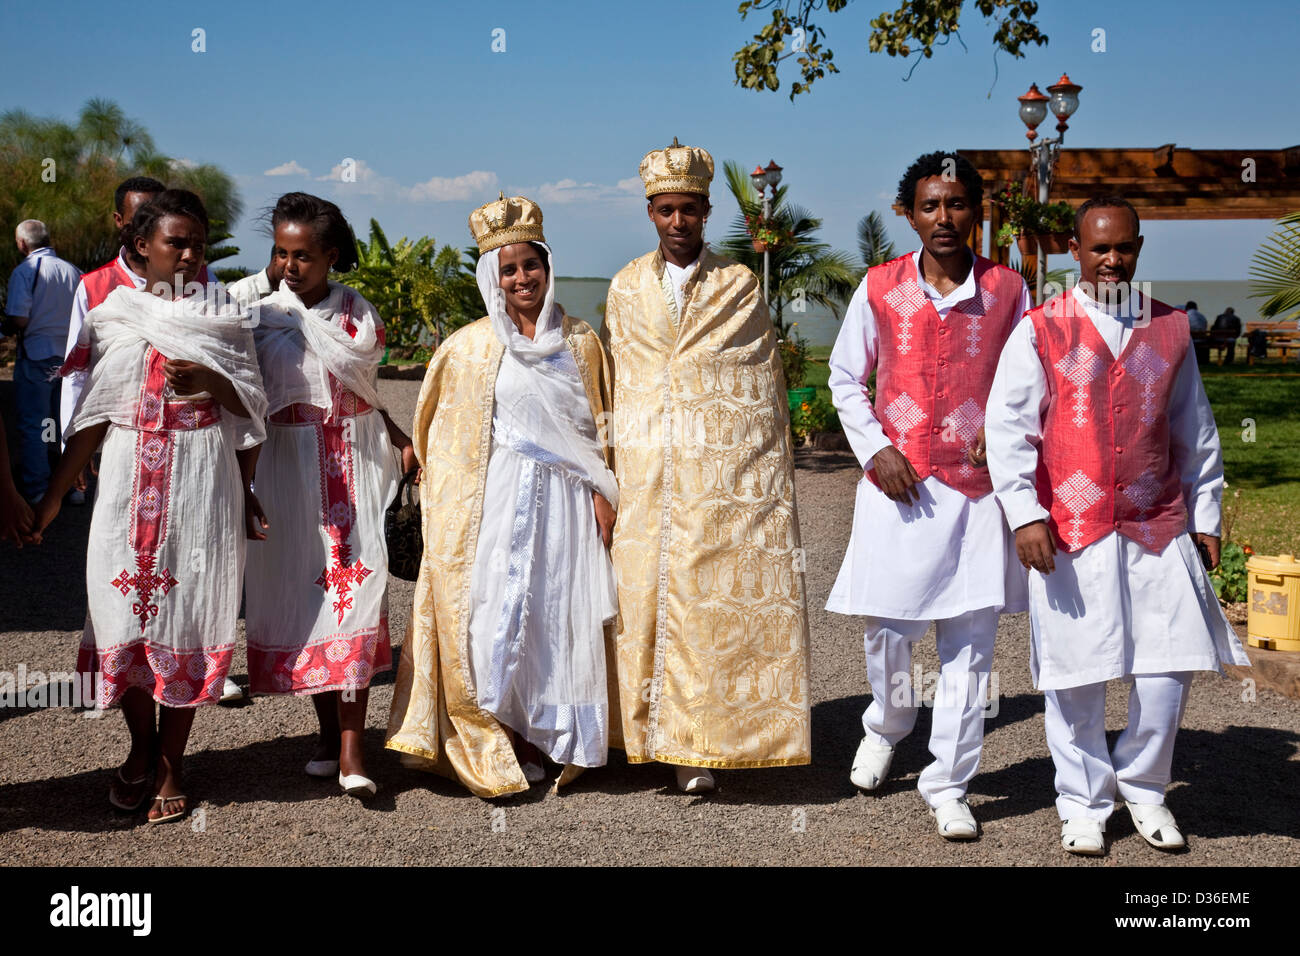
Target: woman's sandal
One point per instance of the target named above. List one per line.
(169, 817)
(121, 804)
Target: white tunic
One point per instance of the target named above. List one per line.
(934, 560)
(542, 587)
(1113, 608)
(317, 588)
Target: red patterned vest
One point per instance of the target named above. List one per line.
(1105, 463)
(933, 375)
(103, 281)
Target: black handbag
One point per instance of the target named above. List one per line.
(403, 530)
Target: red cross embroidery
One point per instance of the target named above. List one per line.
(144, 582)
(341, 577)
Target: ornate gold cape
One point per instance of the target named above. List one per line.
(712, 634)
(435, 716)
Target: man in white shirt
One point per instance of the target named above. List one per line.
(39, 300)
(1104, 453)
(259, 285)
(928, 542)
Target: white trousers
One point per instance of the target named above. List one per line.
(965, 645)
(1087, 776)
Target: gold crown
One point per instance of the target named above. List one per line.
(504, 221)
(677, 169)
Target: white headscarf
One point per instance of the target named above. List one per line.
(557, 427)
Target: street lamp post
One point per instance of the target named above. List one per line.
(762, 178)
(1064, 100)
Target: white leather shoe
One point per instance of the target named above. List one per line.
(694, 779)
(955, 820)
(1157, 825)
(231, 691)
(1083, 836)
(322, 768)
(871, 764)
(357, 785)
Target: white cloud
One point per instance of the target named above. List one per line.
(570, 191)
(357, 175)
(291, 168)
(443, 188)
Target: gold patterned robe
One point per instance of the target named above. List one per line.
(435, 716)
(712, 634)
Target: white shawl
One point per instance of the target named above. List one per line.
(555, 426)
(208, 329)
(299, 349)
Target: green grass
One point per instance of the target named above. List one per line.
(1262, 501)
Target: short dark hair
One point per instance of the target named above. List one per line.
(1191, 304)
(169, 202)
(1104, 202)
(325, 221)
(938, 164)
(136, 184)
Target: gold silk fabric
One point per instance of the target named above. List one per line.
(435, 718)
(712, 635)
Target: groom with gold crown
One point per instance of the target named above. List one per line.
(712, 634)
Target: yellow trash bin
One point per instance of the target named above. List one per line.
(1274, 621)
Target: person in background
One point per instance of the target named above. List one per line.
(259, 285)
(1226, 330)
(1198, 325)
(41, 290)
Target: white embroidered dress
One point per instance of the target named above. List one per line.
(317, 587)
(543, 584)
(165, 558)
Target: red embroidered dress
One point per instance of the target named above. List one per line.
(316, 589)
(934, 374)
(164, 559)
(1106, 463)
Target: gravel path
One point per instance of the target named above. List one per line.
(1236, 771)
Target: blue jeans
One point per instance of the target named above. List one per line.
(36, 395)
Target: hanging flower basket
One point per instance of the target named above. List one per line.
(759, 245)
(1054, 243)
(1026, 245)
(764, 235)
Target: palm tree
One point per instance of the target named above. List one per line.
(1275, 271)
(802, 269)
(64, 174)
(873, 241)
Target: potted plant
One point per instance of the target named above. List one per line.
(765, 234)
(1030, 223)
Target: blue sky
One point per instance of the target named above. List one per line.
(438, 122)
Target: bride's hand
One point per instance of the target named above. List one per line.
(604, 517)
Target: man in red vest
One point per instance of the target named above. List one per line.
(929, 541)
(1104, 454)
(95, 286)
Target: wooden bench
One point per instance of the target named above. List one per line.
(1283, 337)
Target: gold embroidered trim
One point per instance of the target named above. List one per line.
(526, 232)
(677, 184)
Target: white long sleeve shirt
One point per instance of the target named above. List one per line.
(937, 559)
(1112, 608)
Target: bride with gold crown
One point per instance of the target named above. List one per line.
(504, 661)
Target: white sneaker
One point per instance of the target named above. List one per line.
(871, 764)
(1083, 836)
(955, 820)
(1157, 825)
(231, 691)
(694, 779)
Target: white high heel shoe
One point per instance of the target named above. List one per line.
(694, 779)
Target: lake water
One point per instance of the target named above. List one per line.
(581, 297)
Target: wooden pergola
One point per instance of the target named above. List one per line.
(1166, 182)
